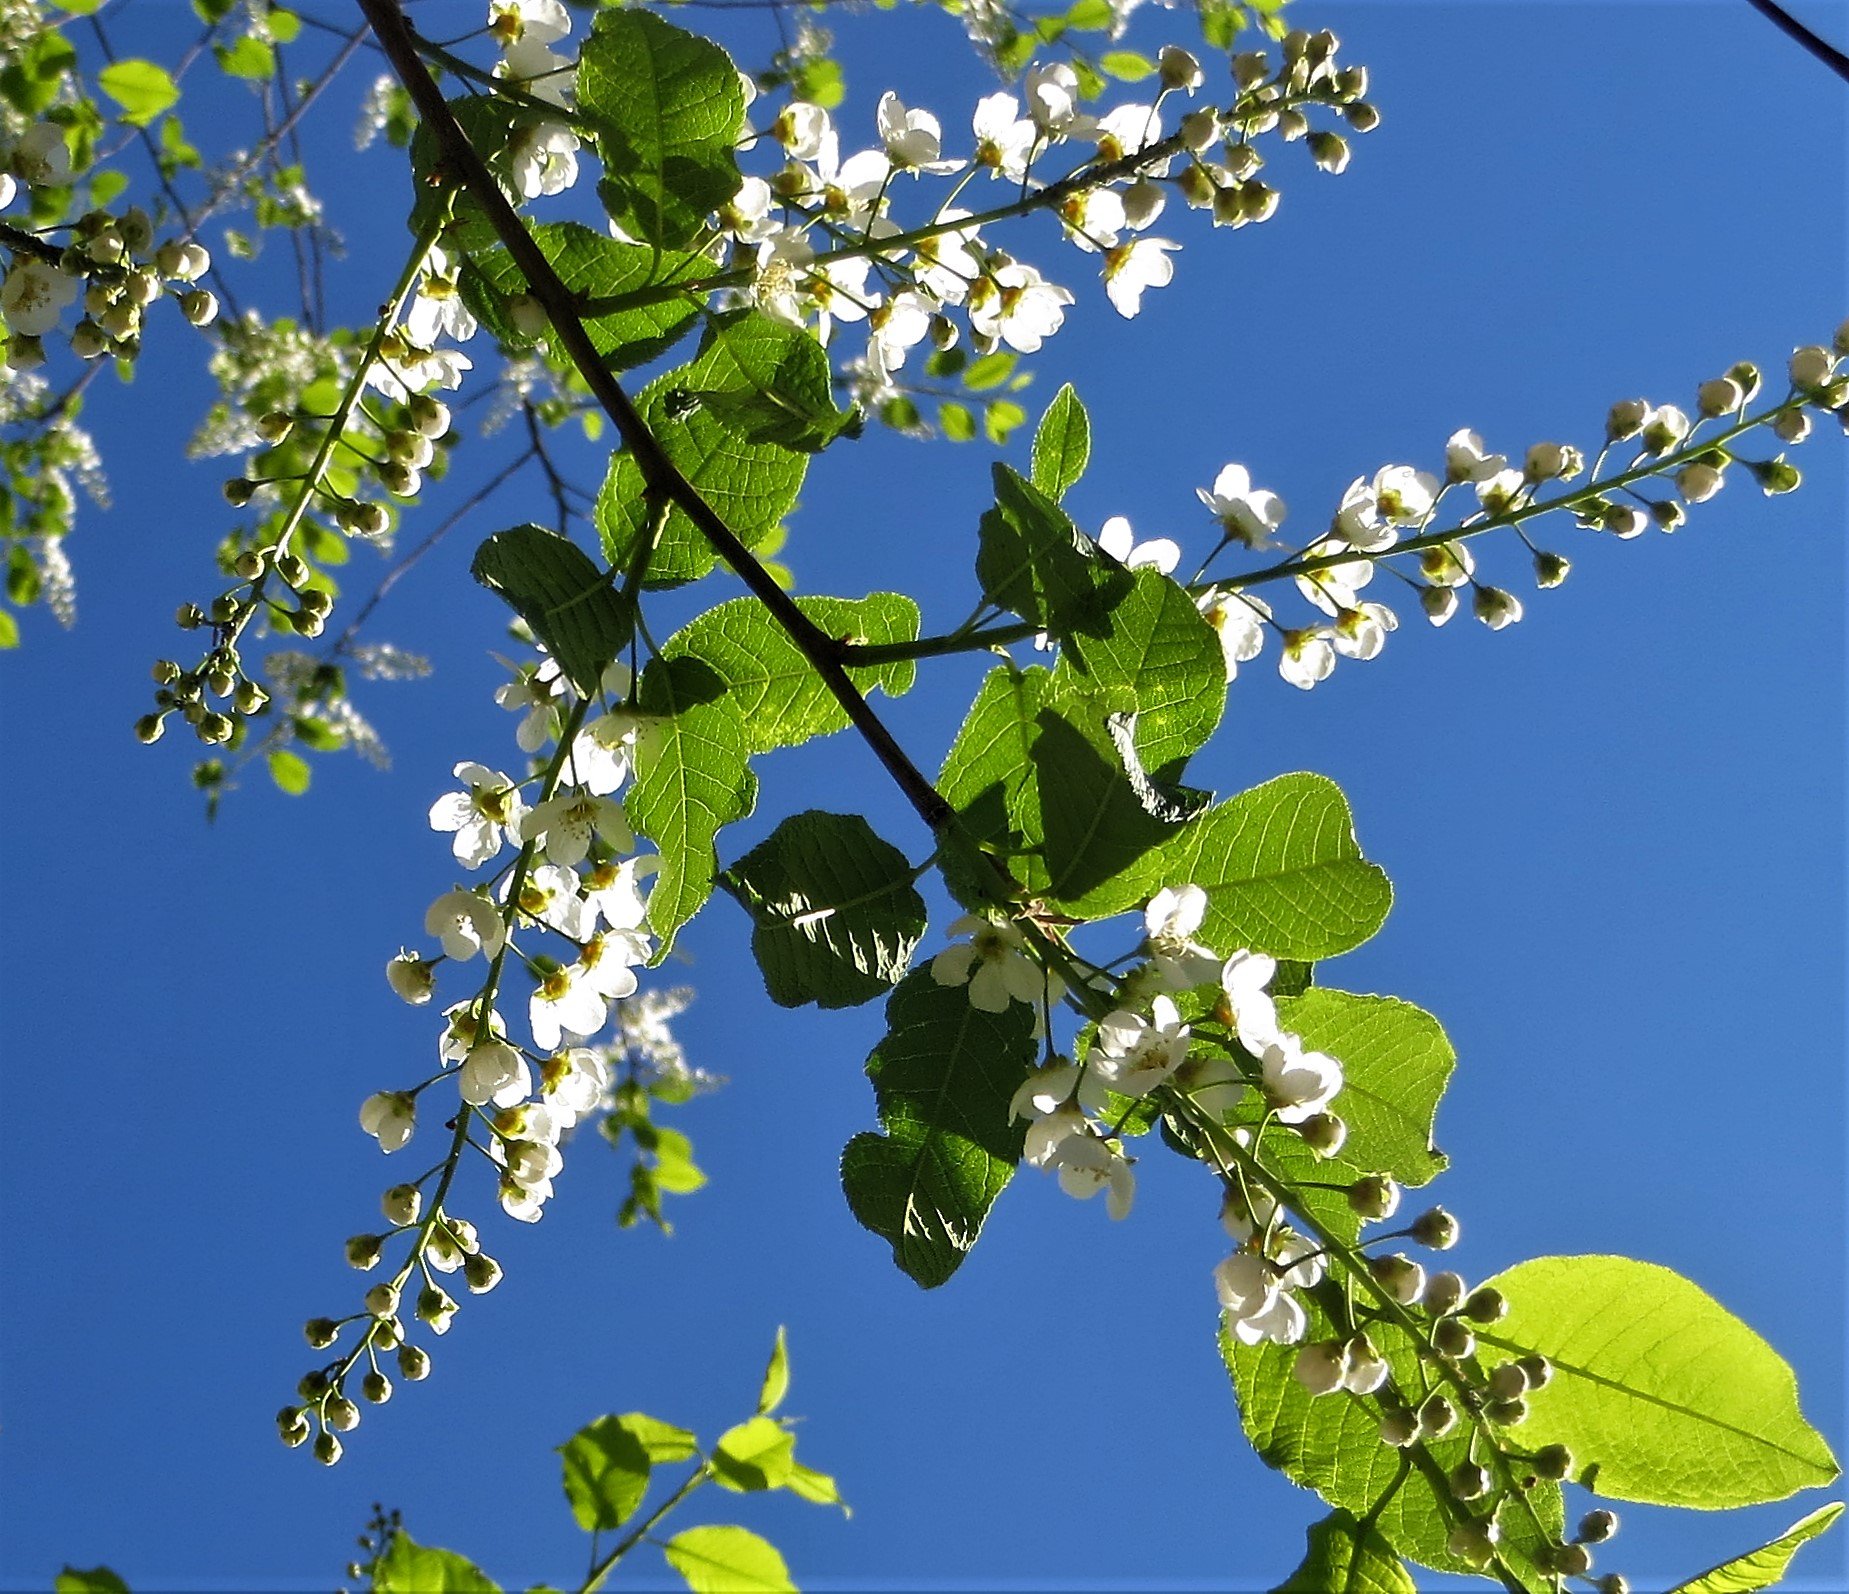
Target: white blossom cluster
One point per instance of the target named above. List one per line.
(47, 457)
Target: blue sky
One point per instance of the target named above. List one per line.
(1615, 833)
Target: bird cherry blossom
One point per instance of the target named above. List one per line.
(486, 811)
(1247, 514)
(994, 965)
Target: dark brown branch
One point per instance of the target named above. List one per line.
(1789, 25)
(465, 166)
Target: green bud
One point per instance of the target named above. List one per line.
(1537, 1370)
(1452, 1340)
(481, 1273)
(275, 426)
(1553, 1462)
(249, 697)
(1776, 476)
(1506, 1413)
(327, 1448)
(189, 617)
(364, 1250)
(1437, 1229)
(1373, 1197)
(149, 729)
(320, 1332)
(413, 1364)
(312, 1386)
(239, 491)
(1595, 1527)
(376, 1388)
(1468, 1481)
(292, 1424)
(340, 1413)
(1486, 1305)
(1571, 1560)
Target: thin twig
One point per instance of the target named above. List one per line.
(1786, 23)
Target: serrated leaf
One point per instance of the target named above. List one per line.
(141, 88)
(943, 1077)
(1765, 1566)
(598, 270)
(691, 778)
(778, 387)
(727, 1560)
(1154, 656)
(835, 913)
(665, 107)
(289, 770)
(606, 1470)
(660, 1441)
(1345, 1555)
(1031, 559)
(1281, 868)
(1062, 444)
(780, 698)
(756, 1454)
(1660, 1392)
(815, 1487)
(408, 1567)
(551, 583)
(250, 58)
(776, 1375)
(1332, 1444)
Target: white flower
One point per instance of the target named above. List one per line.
(1308, 657)
(524, 1203)
(1258, 1307)
(1017, 306)
(802, 129)
(1128, 129)
(1048, 1133)
(466, 924)
(389, 1117)
(605, 962)
(438, 310)
(1092, 218)
(1117, 539)
(571, 1083)
(541, 73)
(1132, 267)
(614, 893)
(481, 815)
(1243, 978)
(540, 20)
(1333, 588)
(1053, 101)
(1045, 1091)
(1404, 495)
(462, 1028)
(1210, 1082)
(33, 296)
(531, 1163)
(993, 965)
(1297, 1083)
(411, 977)
(544, 158)
(9, 189)
(564, 825)
(1321, 1368)
(896, 327)
(1132, 1054)
(1169, 922)
(1496, 608)
(1499, 493)
(1359, 521)
(1446, 564)
(603, 752)
(1249, 515)
(531, 694)
(1238, 621)
(1087, 1165)
(549, 896)
(945, 266)
(410, 369)
(1361, 632)
(564, 1002)
(913, 139)
(42, 157)
(1466, 461)
(1005, 140)
(494, 1072)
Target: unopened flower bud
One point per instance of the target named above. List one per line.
(1452, 1339)
(199, 307)
(1550, 569)
(1399, 1276)
(481, 1273)
(427, 414)
(1199, 129)
(1323, 1133)
(303, 623)
(1228, 206)
(1776, 476)
(1495, 608)
(248, 565)
(376, 1388)
(1537, 1370)
(1570, 1560)
(527, 314)
(1143, 202)
(1792, 426)
(327, 1448)
(320, 1332)
(1545, 462)
(1718, 397)
(1250, 68)
(410, 448)
(1612, 1583)
(435, 1307)
(401, 1205)
(1474, 1542)
(25, 351)
(1374, 1197)
(1179, 69)
(1437, 1229)
(239, 491)
(1697, 482)
(1625, 420)
(143, 287)
(1257, 201)
(215, 728)
(292, 1424)
(1320, 1367)
(88, 340)
(275, 426)
(1486, 1305)
(150, 728)
(1361, 116)
(1292, 125)
(382, 1300)
(121, 320)
(363, 1250)
(1399, 1428)
(1810, 367)
(1746, 374)
(341, 1414)
(249, 697)
(1507, 1382)
(1468, 1481)
(1506, 1413)
(1439, 603)
(401, 481)
(1553, 1462)
(413, 1364)
(1329, 151)
(318, 601)
(1437, 1417)
(1595, 1527)
(312, 1386)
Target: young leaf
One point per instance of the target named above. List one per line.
(97, 1580)
(691, 778)
(665, 107)
(660, 1441)
(551, 583)
(1660, 1393)
(777, 388)
(408, 1567)
(1062, 444)
(1031, 559)
(727, 1560)
(942, 1078)
(780, 698)
(1763, 1567)
(141, 88)
(606, 1470)
(289, 770)
(836, 916)
(776, 1376)
(757, 1454)
(1346, 1556)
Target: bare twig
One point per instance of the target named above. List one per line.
(1786, 23)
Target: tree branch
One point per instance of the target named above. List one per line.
(1786, 23)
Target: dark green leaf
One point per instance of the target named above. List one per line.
(836, 916)
(778, 388)
(98, 1580)
(665, 107)
(1346, 1556)
(141, 88)
(408, 1567)
(606, 1468)
(942, 1079)
(30, 83)
(1031, 559)
(551, 583)
(1062, 444)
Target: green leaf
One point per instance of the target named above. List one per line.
(1763, 1567)
(1031, 559)
(750, 485)
(1346, 1556)
(815, 1487)
(251, 58)
(606, 1468)
(30, 83)
(691, 778)
(990, 371)
(660, 1441)
(778, 388)
(727, 1560)
(1281, 868)
(1661, 1394)
(756, 1454)
(1062, 444)
(9, 630)
(958, 424)
(942, 1077)
(98, 1580)
(1332, 1444)
(551, 583)
(1092, 16)
(289, 770)
(141, 88)
(408, 1567)
(665, 108)
(780, 698)
(776, 1376)
(600, 272)
(1158, 659)
(1001, 418)
(835, 914)
(1126, 65)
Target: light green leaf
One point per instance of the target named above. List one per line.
(1346, 1556)
(9, 630)
(1765, 1566)
(675, 1170)
(835, 913)
(1158, 659)
(1281, 868)
(601, 272)
(815, 1487)
(942, 1079)
(691, 778)
(778, 388)
(665, 108)
(289, 770)
(776, 1376)
(1661, 1394)
(551, 583)
(660, 1441)
(1062, 444)
(1126, 65)
(958, 424)
(727, 1560)
(1031, 559)
(408, 1567)
(990, 371)
(756, 1454)
(606, 1470)
(780, 698)
(141, 88)
(250, 58)
(1000, 420)
(98, 1580)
